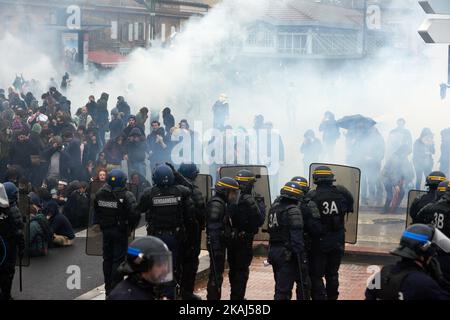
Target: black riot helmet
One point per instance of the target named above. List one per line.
(434, 178)
(323, 174)
(149, 254)
(416, 242)
(189, 170)
(228, 188)
(302, 182)
(163, 176)
(246, 180)
(291, 190)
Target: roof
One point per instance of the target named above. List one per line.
(301, 12)
(106, 59)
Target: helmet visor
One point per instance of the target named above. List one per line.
(162, 269)
(233, 196)
(441, 241)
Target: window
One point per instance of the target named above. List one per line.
(141, 36)
(136, 31)
(130, 32)
(292, 43)
(124, 32)
(260, 38)
(114, 30)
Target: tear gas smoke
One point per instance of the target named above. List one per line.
(203, 62)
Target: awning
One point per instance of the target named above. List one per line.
(105, 59)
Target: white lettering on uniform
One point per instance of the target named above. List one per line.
(108, 204)
(166, 201)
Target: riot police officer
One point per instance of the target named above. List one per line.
(286, 246)
(115, 213)
(148, 265)
(219, 229)
(310, 212)
(312, 229)
(169, 209)
(334, 203)
(193, 233)
(438, 214)
(411, 278)
(12, 243)
(246, 219)
(312, 226)
(432, 182)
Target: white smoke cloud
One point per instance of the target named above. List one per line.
(19, 57)
(202, 64)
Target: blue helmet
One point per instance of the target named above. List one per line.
(117, 179)
(163, 176)
(11, 191)
(188, 170)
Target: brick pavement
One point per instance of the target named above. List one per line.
(261, 283)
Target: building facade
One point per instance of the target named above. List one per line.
(330, 29)
(100, 29)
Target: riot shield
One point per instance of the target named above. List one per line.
(204, 183)
(412, 195)
(94, 237)
(350, 178)
(261, 190)
(23, 204)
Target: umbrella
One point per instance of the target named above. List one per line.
(356, 121)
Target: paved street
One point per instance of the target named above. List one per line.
(261, 284)
(46, 277)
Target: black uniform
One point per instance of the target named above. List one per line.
(193, 243)
(246, 218)
(421, 202)
(168, 211)
(333, 202)
(12, 243)
(286, 248)
(219, 233)
(438, 214)
(116, 214)
(406, 281)
(133, 288)
(312, 228)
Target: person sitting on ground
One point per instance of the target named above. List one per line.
(63, 234)
(40, 232)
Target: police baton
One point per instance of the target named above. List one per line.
(300, 272)
(20, 272)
